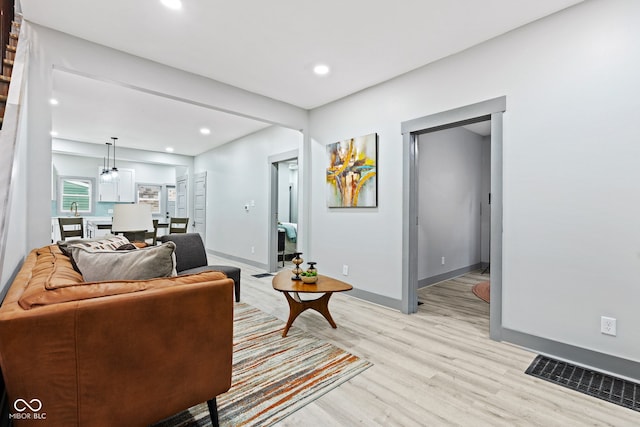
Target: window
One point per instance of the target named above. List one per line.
(150, 195)
(76, 191)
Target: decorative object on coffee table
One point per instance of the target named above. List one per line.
(311, 275)
(291, 289)
(309, 279)
(297, 260)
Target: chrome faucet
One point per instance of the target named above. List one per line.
(74, 204)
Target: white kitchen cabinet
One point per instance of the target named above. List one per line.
(55, 230)
(120, 190)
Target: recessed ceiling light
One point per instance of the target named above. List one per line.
(53, 101)
(205, 131)
(169, 149)
(53, 133)
(321, 69)
(172, 4)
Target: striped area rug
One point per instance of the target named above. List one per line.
(272, 376)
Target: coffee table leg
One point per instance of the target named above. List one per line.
(321, 305)
(297, 306)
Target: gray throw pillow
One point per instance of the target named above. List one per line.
(97, 265)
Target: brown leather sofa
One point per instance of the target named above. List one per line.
(112, 353)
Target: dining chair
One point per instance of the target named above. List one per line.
(151, 237)
(178, 225)
(71, 227)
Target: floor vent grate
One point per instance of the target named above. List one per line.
(606, 387)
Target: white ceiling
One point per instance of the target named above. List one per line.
(271, 47)
(93, 111)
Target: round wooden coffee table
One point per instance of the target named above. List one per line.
(293, 288)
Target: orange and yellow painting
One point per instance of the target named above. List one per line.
(351, 174)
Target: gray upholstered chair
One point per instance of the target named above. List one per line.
(191, 257)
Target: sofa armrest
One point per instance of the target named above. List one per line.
(132, 359)
(190, 251)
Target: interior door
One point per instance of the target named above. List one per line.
(182, 187)
(200, 204)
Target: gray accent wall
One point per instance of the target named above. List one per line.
(450, 184)
(485, 206)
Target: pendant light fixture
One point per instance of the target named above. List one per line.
(114, 169)
(105, 175)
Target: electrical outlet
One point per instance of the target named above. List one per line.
(345, 270)
(253, 249)
(608, 325)
(442, 261)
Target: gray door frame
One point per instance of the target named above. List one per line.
(273, 205)
(481, 111)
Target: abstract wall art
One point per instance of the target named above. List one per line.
(352, 173)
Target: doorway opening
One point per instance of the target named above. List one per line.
(454, 195)
(283, 217)
(492, 111)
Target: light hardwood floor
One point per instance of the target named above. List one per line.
(437, 367)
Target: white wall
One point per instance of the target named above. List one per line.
(16, 247)
(238, 174)
(75, 166)
(570, 250)
(88, 167)
(450, 185)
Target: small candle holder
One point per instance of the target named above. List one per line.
(297, 260)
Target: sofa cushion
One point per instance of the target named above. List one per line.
(38, 297)
(139, 264)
